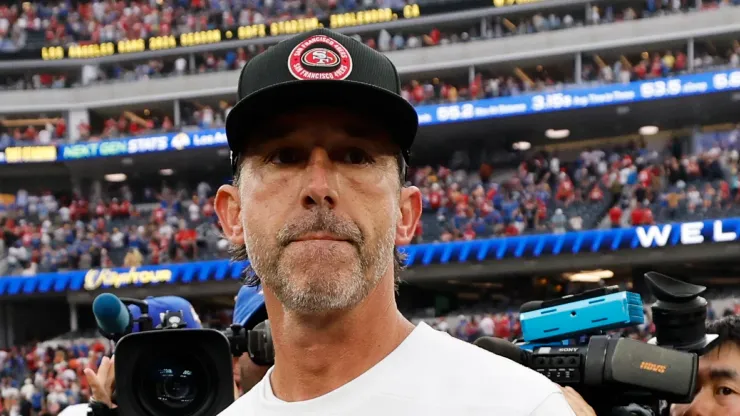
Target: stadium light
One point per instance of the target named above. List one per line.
(166, 172)
(592, 276)
(557, 134)
(648, 130)
(115, 177)
(522, 146)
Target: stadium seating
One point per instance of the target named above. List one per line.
(543, 194)
(421, 92)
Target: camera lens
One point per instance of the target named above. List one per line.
(174, 385)
(179, 390)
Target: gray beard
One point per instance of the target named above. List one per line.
(316, 285)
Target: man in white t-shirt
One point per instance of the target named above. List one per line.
(319, 207)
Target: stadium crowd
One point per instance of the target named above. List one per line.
(105, 21)
(418, 92)
(623, 186)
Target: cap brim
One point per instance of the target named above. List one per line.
(399, 115)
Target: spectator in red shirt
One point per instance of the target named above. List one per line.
(647, 216)
(469, 233)
(417, 92)
(596, 194)
(615, 216)
(511, 230)
(637, 216)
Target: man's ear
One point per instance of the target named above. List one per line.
(410, 207)
(228, 208)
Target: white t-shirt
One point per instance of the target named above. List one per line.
(429, 374)
(75, 410)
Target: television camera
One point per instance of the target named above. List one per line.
(170, 364)
(567, 340)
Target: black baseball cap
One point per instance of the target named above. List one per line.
(320, 68)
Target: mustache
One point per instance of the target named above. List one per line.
(320, 220)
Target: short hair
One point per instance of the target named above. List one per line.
(728, 329)
(238, 252)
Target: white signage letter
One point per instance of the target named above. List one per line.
(653, 233)
(721, 236)
(691, 233)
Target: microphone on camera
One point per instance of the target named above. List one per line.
(112, 316)
(504, 348)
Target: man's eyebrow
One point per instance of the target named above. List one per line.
(723, 374)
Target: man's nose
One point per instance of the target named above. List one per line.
(320, 189)
(702, 405)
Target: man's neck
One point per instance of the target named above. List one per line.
(314, 356)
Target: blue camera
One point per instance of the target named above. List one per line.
(567, 320)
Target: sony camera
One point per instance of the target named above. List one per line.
(568, 341)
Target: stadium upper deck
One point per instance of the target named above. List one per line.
(441, 29)
(105, 28)
(218, 86)
(610, 66)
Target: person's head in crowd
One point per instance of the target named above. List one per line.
(718, 386)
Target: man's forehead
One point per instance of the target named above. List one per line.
(723, 360)
(722, 352)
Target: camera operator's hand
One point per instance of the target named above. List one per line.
(576, 402)
(101, 384)
(246, 374)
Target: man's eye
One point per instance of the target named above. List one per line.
(724, 391)
(356, 157)
(285, 156)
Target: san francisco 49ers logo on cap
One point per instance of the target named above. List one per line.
(320, 57)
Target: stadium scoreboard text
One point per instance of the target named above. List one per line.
(28, 154)
(286, 27)
(257, 31)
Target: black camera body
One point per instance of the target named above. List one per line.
(173, 370)
(163, 378)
